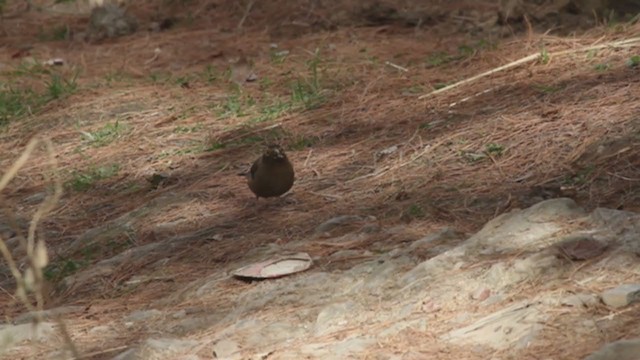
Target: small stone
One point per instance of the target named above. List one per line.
(481, 294)
(622, 295)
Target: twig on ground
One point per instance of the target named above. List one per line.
(247, 11)
(633, 42)
(398, 67)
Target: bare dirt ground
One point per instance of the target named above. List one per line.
(342, 98)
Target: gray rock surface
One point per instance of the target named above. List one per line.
(11, 335)
(492, 292)
(619, 350)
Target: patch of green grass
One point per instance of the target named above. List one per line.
(242, 141)
(464, 51)
(211, 74)
(195, 149)
(486, 45)
(107, 134)
(155, 77)
(546, 89)
(60, 269)
(233, 106)
(183, 81)
(439, 58)
(215, 146)
(634, 61)
(30, 69)
(271, 111)
(580, 178)
(59, 87)
(16, 101)
(307, 91)
(494, 149)
(473, 156)
(131, 187)
(60, 32)
(416, 211)
(302, 143)
(278, 56)
(121, 77)
(265, 83)
(602, 67)
(413, 90)
(250, 140)
(84, 180)
(180, 129)
(305, 94)
(544, 56)
(438, 86)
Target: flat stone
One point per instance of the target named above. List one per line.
(622, 295)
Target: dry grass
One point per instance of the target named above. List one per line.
(457, 162)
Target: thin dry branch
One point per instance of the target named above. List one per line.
(33, 278)
(633, 42)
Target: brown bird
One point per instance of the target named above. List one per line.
(271, 174)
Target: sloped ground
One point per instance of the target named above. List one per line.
(344, 101)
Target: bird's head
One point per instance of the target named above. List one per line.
(275, 152)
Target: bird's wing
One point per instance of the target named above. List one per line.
(253, 170)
